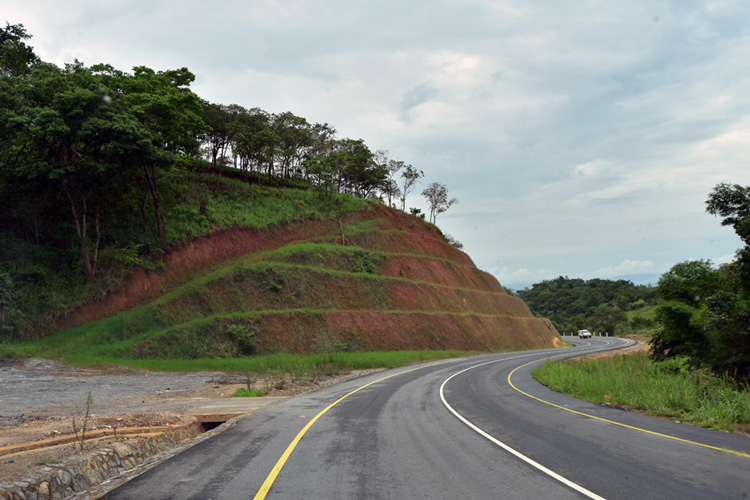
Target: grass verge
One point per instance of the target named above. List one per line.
(669, 389)
(298, 366)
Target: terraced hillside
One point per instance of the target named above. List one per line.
(377, 280)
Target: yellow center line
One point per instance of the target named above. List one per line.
(263, 491)
(725, 450)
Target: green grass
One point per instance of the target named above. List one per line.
(298, 366)
(244, 393)
(666, 389)
(647, 312)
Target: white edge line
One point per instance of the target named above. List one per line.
(533, 463)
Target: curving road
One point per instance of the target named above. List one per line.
(477, 427)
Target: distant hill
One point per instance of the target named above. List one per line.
(596, 304)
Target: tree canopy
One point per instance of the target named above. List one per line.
(573, 303)
(705, 316)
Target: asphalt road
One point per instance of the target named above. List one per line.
(476, 427)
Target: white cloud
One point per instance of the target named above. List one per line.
(520, 278)
(627, 267)
(725, 259)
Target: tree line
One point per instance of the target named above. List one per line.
(83, 133)
(598, 304)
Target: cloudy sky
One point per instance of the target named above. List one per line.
(581, 138)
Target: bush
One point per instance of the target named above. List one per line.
(363, 263)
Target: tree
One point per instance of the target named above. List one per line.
(437, 197)
(71, 129)
(172, 115)
(16, 58)
(221, 122)
(410, 175)
(294, 138)
(691, 282)
(685, 289)
(10, 315)
(732, 203)
(390, 187)
(607, 319)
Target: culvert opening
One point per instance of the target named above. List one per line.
(209, 422)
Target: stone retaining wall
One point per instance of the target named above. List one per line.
(74, 476)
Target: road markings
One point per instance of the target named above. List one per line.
(512, 451)
(717, 448)
(266, 486)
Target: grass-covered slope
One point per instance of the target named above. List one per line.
(395, 284)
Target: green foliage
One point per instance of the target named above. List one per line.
(667, 389)
(248, 393)
(453, 242)
(705, 318)
(363, 263)
(607, 319)
(45, 277)
(573, 304)
(691, 282)
(10, 316)
(244, 336)
(641, 323)
(416, 212)
(16, 57)
(706, 314)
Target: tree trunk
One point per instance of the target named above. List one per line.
(152, 182)
(82, 229)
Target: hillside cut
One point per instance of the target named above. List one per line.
(377, 279)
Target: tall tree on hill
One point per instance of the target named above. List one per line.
(172, 114)
(437, 197)
(294, 139)
(248, 143)
(222, 124)
(390, 188)
(411, 176)
(16, 58)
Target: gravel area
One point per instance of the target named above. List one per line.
(40, 388)
(39, 399)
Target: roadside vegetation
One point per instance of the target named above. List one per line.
(669, 389)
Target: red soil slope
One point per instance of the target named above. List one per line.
(435, 298)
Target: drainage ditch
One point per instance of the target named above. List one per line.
(135, 451)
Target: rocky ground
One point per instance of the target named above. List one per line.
(40, 399)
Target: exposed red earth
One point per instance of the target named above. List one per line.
(440, 301)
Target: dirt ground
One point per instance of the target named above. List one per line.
(40, 399)
(642, 346)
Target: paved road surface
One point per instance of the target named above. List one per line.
(476, 427)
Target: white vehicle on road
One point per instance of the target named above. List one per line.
(584, 334)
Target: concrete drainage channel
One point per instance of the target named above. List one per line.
(92, 475)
